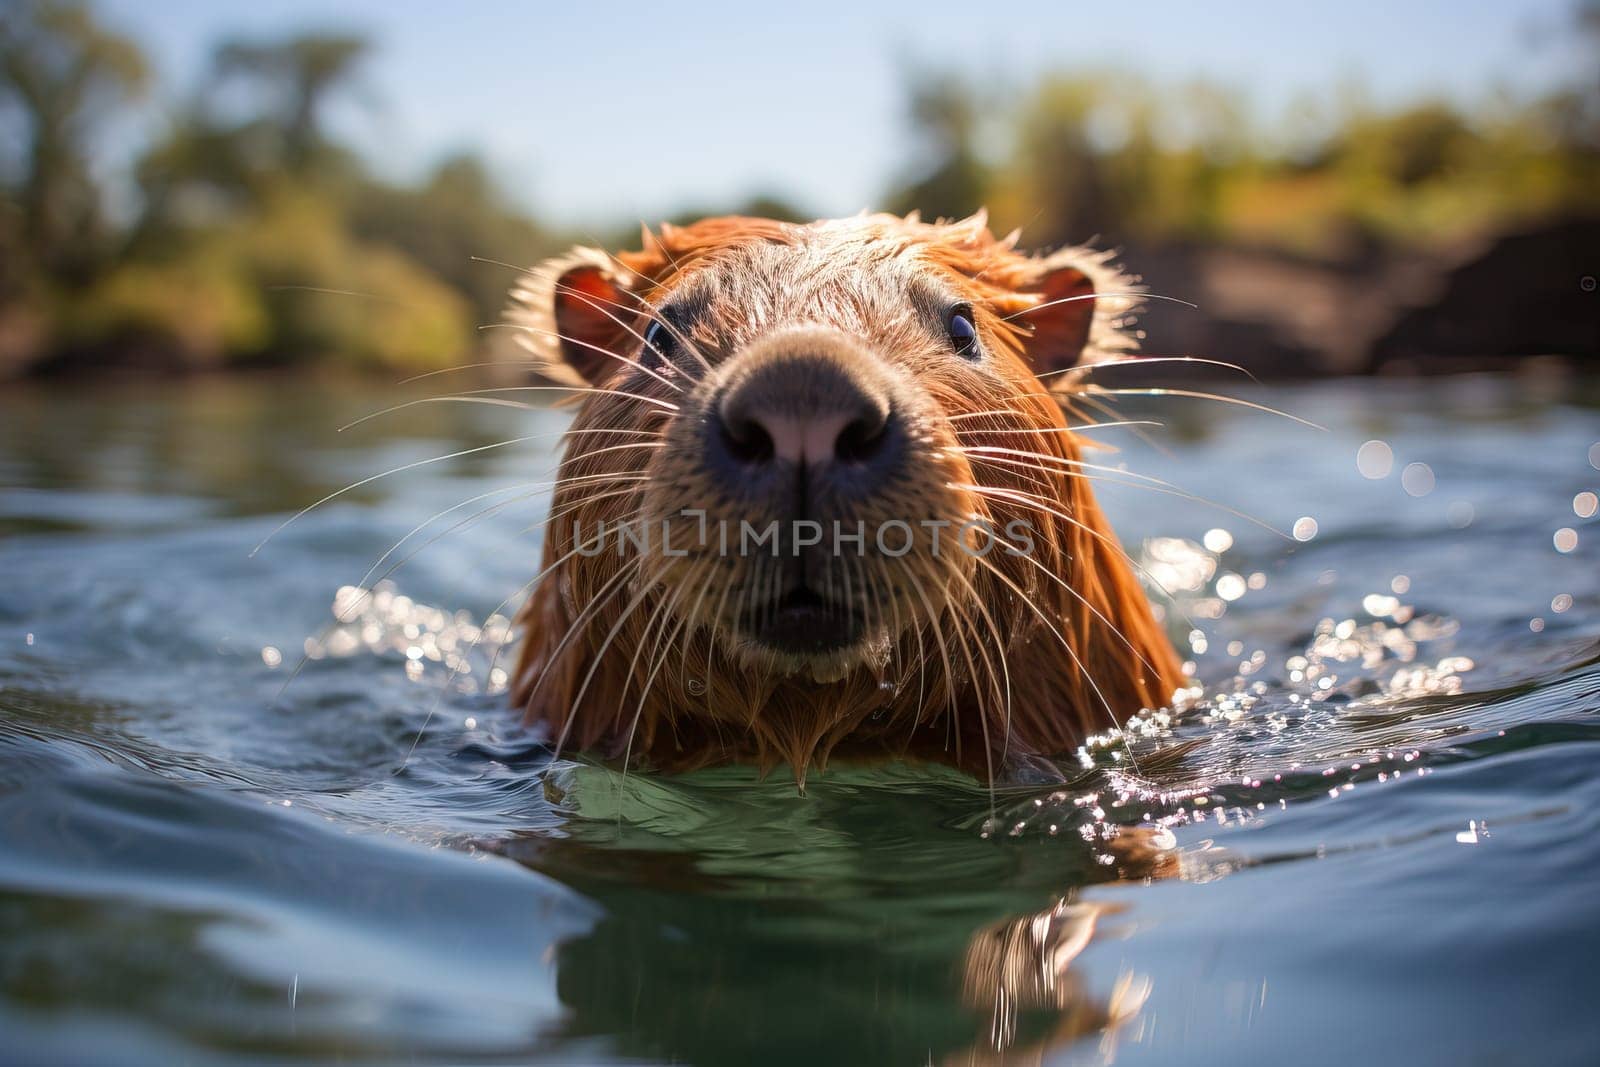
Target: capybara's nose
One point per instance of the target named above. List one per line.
(810, 399)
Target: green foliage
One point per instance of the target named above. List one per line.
(286, 285)
(458, 227)
(1104, 153)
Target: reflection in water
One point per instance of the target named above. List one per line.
(1024, 966)
(740, 919)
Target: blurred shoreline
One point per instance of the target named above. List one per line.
(1343, 239)
(1500, 302)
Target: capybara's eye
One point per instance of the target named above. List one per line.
(963, 335)
(659, 344)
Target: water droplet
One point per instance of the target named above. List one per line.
(269, 655)
(1400, 585)
(1594, 455)
(1305, 528)
(1417, 479)
(1536, 625)
(1561, 602)
(1218, 540)
(1230, 586)
(1566, 539)
(1585, 504)
(1459, 514)
(470, 723)
(1375, 460)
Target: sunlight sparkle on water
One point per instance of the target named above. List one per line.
(1375, 460)
(1417, 479)
(1381, 606)
(382, 621)
(1230, 586)
(1178, 565)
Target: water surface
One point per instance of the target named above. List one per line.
(1377, 836)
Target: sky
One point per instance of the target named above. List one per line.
(590, 113)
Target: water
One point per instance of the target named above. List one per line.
(1378, 835)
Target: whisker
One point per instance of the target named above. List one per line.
(393, 470)
(1000, 649)
(1079, 428)
(1131, 361)
(455, 672)
(960, 633)
(1195, 395)
(599, 655)
(944, 652)
(1134, 295)
(570, 389)
(1071, 653)
(1110, 476)
(1038, 504)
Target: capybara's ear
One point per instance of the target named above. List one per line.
(1080, 313)
(575, 317)
(1062, 319)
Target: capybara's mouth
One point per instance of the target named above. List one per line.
(803, 622)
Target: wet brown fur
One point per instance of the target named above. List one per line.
(970, 672)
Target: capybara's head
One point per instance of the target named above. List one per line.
(820, 490)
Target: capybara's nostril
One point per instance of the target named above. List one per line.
(748, 441)
(863, 437)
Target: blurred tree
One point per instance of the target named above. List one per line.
(458, 226)
(202, 172)
(300, 73)
(66, 73)
(1059, 166)
(944, 120)
(285, 283)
